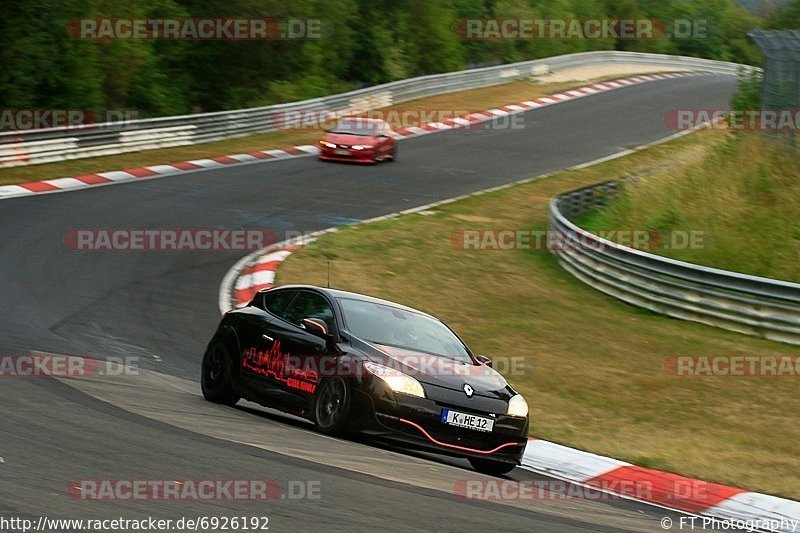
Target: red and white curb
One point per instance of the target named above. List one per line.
(735, 507)
(256, 272)
(732, 508)
(157, 171)
(729, 507)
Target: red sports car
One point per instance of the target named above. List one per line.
(361, 140)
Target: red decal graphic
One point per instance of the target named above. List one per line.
(280, 367)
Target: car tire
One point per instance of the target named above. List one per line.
(491, 468)
(331, 410)
(394, 153)
(216, 376)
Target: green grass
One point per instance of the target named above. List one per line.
(743, 200)
(596, 378)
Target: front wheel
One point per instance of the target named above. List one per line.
(332, 406)
(491, 468)
(216, 379)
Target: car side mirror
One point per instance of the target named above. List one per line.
(485, 361)
(316, 327)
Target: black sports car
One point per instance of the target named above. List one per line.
(353, 363)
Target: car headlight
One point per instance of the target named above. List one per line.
(396, 380)
(361, 147)
(517, 406)
(326, 143)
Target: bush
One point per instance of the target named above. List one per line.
(748, 96)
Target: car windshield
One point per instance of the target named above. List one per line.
(398, 328)
(356, 127)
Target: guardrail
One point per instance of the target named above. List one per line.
(58, 144)
(739, 302)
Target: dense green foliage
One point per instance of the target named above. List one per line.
(748, 93)
(366, 42)
(787, 18)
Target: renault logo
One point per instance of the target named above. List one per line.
(468, 390)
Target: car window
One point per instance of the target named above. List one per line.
(354, 126)
(390, 326)
(309, 305)
(276, 301)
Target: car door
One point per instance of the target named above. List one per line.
(296, 359)
(258, 358)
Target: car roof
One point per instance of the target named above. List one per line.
(337, 293)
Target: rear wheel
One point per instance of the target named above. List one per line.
(394, 153)
(332, 406)
(492, 468)
(216, 379)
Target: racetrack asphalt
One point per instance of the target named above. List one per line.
(162, 308)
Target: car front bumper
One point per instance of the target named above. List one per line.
(417, 423)
(355, 156)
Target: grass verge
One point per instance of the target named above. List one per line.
(466, 101)
(743, 201)
(597, 378)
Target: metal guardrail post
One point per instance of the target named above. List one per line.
(780, 89)
(747, 304)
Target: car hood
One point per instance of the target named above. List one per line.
(342, 138)
(441, 371)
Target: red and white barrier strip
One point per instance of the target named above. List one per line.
(256, 271)
(727, 504)
(259, 274)
(156, 171)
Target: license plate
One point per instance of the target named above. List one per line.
(341, 152)
(464, 420)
